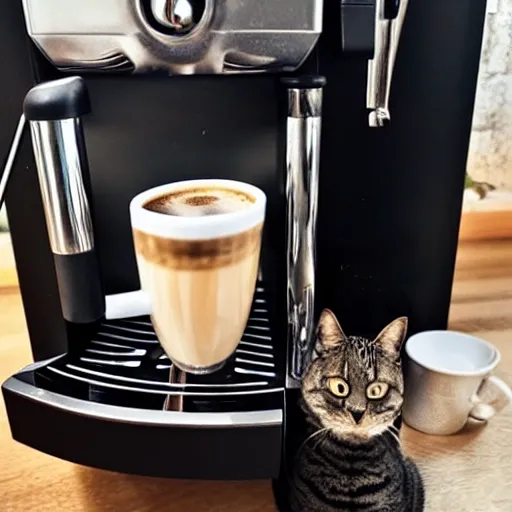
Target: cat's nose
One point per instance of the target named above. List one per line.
(357, 415)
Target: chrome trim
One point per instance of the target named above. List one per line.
(302, 167)
(175, 14)
(135, 352)
(250, 353)
(165, 384)
(256, 336)
(257, 363)
(380, 69)
(257, 345)
(304, 103)
(58, 150)
(113, 413)
(39, 364)
(126, 338)
(128, 329)
(160, 391)
(114, 345)
(108, 362)
(258, 327)
(231, 37)
(292, 383)
(139, 322)
(115, 61)
(13, 151)
(254, 372)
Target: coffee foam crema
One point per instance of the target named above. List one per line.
(200, 202)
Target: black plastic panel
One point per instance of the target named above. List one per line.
(240, 453)
(390, 199)
(65, 99)
(80, 287)
(358, 28)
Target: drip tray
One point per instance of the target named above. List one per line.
(123, 364)
(116, 402)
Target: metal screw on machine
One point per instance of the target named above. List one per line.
(302, 167)
(390, 16)
(54, 110)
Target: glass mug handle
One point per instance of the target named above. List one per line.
(492, 396)
(126, 305)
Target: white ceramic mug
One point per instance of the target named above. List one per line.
(198, 273)
(448, 380)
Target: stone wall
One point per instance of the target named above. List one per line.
(490, 156)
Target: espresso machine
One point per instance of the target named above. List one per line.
(354, 117)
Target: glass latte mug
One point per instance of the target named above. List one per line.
(197, 245)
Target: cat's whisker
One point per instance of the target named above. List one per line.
(321, 440)
(312, 436)
(394, 436)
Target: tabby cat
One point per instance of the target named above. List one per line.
(352, 394)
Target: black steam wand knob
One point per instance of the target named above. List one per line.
(54, 110)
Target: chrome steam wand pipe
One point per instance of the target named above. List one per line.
(390, 16)
(54, 110)
(302, 168)
(10, 159)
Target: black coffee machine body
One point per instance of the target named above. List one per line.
(362, 159)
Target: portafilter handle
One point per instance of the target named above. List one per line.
(303, 135)
(390, 16)
(54, 111)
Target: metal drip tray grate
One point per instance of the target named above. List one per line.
(123, 364)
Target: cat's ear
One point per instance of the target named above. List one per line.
(329, 334)
(391, 338)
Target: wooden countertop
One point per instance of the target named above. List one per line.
(469, 472)
(8, 276)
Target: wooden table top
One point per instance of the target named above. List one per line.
(471, 471)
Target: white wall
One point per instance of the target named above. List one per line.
(490, 157)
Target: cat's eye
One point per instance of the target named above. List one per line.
(338, 387)
(377, 390)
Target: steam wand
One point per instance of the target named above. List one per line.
(302, 167)
(54, 110)
(390, 16)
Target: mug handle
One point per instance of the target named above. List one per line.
(492, 396)
(126, 305)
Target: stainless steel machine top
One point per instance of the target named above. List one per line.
(175, 36)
